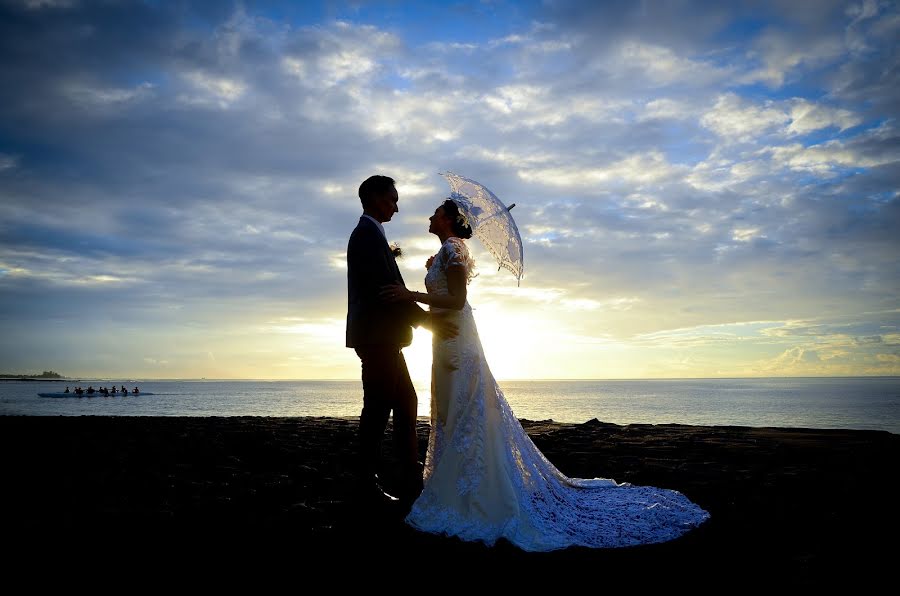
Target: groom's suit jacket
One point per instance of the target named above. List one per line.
(370, 265)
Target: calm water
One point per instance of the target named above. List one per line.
(861, 403)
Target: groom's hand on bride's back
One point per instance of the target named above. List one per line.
(441, 325)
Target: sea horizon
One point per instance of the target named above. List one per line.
(500, 380)
(862, 402)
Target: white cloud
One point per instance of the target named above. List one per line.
(410, 183)
(712, 175)
(508, 156)
(212, 89)
(746, 234)
(662, 66)
(515, 98)
(741, 120)
(807, 116)
(514, 39)
(737, 119)
(794, 356)
(346, 65)
(743, 171)
(823, 158)
(345, 54)
(415, 118)
(669, 109)
(538, 105)
(439, 46)
(644, 168)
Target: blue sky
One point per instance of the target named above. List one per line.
(703, 189)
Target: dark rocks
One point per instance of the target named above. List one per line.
(794, 506)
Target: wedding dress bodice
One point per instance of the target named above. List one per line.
(453, 253)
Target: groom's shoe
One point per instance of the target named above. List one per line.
(411, 491)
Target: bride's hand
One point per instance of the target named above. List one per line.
(395, 293)
(429, 262)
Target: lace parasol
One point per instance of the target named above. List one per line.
(491, 222)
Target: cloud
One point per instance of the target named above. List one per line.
(661, 66)
(782, 53)
(794, 356)
(188, 174)
(342, 54)
(807, 116)
(875, 148)
(741, 120)
(667, 109)
(212, 90)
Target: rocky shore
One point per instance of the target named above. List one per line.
(800, 507)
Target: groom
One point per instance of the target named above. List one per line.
(377, 330)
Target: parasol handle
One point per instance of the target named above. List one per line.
(510, 207)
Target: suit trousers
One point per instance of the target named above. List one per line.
(387, 387)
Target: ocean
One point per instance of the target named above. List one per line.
(832, 402)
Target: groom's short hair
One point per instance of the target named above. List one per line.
(373, 187)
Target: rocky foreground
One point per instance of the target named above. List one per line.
(788, 506)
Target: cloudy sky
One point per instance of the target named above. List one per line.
(704, 189)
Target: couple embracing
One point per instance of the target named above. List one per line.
(483, 478)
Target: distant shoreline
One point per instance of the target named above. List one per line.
(39, 379)
(47, 375)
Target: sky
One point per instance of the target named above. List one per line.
(703, 189)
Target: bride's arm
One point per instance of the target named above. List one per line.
(456, 283)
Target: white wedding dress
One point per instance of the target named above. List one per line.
(485, 479)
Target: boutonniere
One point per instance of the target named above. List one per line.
(396, 250)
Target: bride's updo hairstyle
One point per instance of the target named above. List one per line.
(461, 228)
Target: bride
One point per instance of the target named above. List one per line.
(484, 479)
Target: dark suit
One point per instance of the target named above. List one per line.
(378, 330)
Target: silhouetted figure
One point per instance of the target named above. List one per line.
(136, 391)
(67, 390)
(378, 331)
(90, 390)
(124, 390)
(113, 390)
(79, 391)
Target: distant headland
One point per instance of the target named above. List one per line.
(47, 375)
